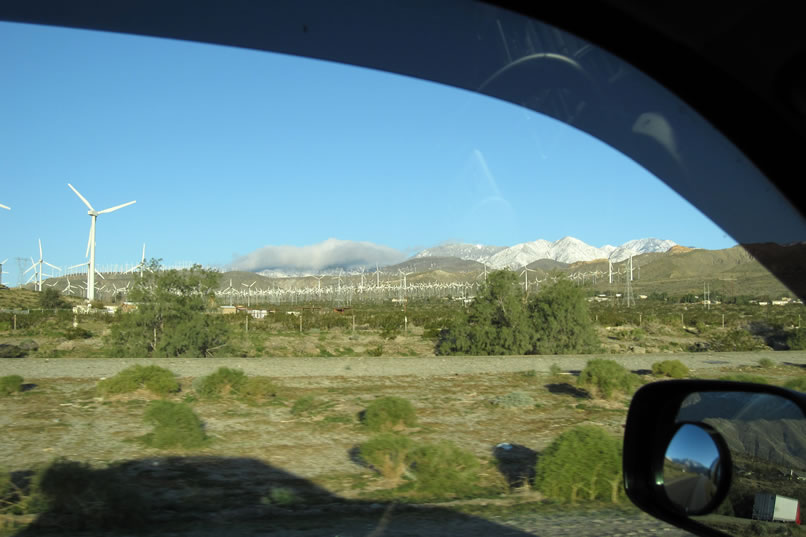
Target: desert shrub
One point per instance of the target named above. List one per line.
(304, 404)
(155, 379)
(81, 497)
(766, 363)
(798, 384)
(259, 388)
(555, 370)
(796, 341)
(444, 470)
(175, 425)
(670, 368)
(281, 496)
(583, 463)
(513, 400)
(606, 378)
(745, 377)
(734, 340)
(10, 384)
(375, 351)
(20, 494)
(388, 453)
(50, 299)
(7, 350)
(223, 381)
(76, 332)
(389, 414)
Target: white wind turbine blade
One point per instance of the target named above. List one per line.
(5, 207)
(99, 274)
(53, 266)
(40, 249)
(82, 197)
(116, 207)
(3, 262)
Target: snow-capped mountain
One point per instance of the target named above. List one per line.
(470, 252)
(565, 250)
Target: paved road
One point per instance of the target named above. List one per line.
(32, 368)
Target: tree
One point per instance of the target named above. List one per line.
(171, 317)
(561, 321)
(500, 321)
(495, 323)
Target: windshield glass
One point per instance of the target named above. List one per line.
(270, 293)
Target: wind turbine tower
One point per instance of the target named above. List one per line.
(91, 242)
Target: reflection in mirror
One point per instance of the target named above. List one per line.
(766, 437)
(692, 470)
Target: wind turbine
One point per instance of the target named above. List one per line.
(249, 292)
(3, 262)
(40, 263)
(141, 265)
(525, 274)
(87, 264)
(91, 242)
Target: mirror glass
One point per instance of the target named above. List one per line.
(766, 437)
(692, 469)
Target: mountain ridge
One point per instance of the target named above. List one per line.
(567, 250)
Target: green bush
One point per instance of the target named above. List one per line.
(175, 425)
(20, 494)
(513, 400)
(389, 414)
(304, 404)
(766, 363)
(798, 384)
(606, 378)
(10, 384)
(388, 453)
(444, 470)
(745, 377)
(583, 463)
(223, 381)
(76, 332)
(155, 379)
(670, 368)
(51, 299)
(738, 340)
(796, 341)
(259, 388)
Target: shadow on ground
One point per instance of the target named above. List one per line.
(516, 463)
(567, 389)
(223, 496)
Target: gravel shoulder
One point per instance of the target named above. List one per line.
(38, 368)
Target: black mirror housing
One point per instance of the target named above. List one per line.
(730, 412)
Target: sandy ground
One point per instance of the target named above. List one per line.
(38, 368)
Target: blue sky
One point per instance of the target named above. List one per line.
(227, 151)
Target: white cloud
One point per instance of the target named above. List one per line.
(327, 254)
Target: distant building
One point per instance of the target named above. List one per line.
(227, 310)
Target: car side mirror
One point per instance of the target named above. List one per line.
(717, 458)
